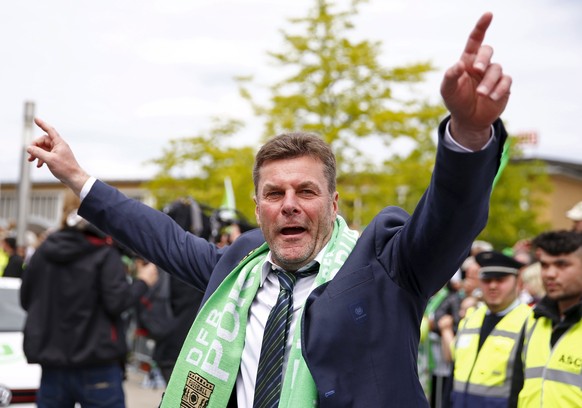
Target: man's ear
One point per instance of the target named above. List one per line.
(258, 219)
(335, 202)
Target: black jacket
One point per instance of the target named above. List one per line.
(13, 268)
(75, 290)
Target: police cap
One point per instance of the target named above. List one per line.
(495, 264)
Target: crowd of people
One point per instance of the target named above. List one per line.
(478, 343)
(305, 311)
(15, 255)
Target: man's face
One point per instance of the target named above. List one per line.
(471, 280)
(295, 210)
(577, 226)
(562, 277)
(499, 292)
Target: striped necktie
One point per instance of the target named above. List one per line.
(270, 370)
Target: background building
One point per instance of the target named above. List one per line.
(566, 182)
(46, 202)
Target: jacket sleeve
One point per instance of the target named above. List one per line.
(436, 239)
(151, 233)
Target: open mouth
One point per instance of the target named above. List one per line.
(292, 230)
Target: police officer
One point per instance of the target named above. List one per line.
(552, 350)
(486, 348)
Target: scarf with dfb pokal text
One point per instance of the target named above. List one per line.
(206, 370)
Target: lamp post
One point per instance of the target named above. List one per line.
(24, 182)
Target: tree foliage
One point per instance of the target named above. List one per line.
(336, 87)
(197, 167)
(516, 201)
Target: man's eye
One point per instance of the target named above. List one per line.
(273, 194)
(562, 264)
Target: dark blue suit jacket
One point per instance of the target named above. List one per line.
(360, 331)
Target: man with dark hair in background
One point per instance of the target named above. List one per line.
(552, 350)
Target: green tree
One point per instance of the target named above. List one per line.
(517, 200)
(336, 87)
(197, 167)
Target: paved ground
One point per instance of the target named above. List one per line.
(139, 392)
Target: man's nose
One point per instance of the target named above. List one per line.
(551, 271)
(290, 203)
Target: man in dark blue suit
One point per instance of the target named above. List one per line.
(353, 327)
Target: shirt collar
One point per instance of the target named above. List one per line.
(508, 309)
(547, 307)
(269, 265)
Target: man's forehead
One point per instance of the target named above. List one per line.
(547, 258)
(299, 183)
(289, 160)
(307, 167)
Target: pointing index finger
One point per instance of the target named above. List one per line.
(476, 39)
(50, 131)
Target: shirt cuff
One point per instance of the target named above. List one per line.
(87, 187)
(455, 146)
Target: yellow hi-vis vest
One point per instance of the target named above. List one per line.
(552, 376)
(487, 373)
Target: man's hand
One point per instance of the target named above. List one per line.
(475, 90)
(58, 156)
(445, 323)
(147, 272)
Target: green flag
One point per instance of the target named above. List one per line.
(504, 160)
(228, 206)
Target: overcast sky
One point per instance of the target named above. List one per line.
(119, 79)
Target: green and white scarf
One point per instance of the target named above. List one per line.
(206, 370)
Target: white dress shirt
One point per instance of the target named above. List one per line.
(259, 312)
